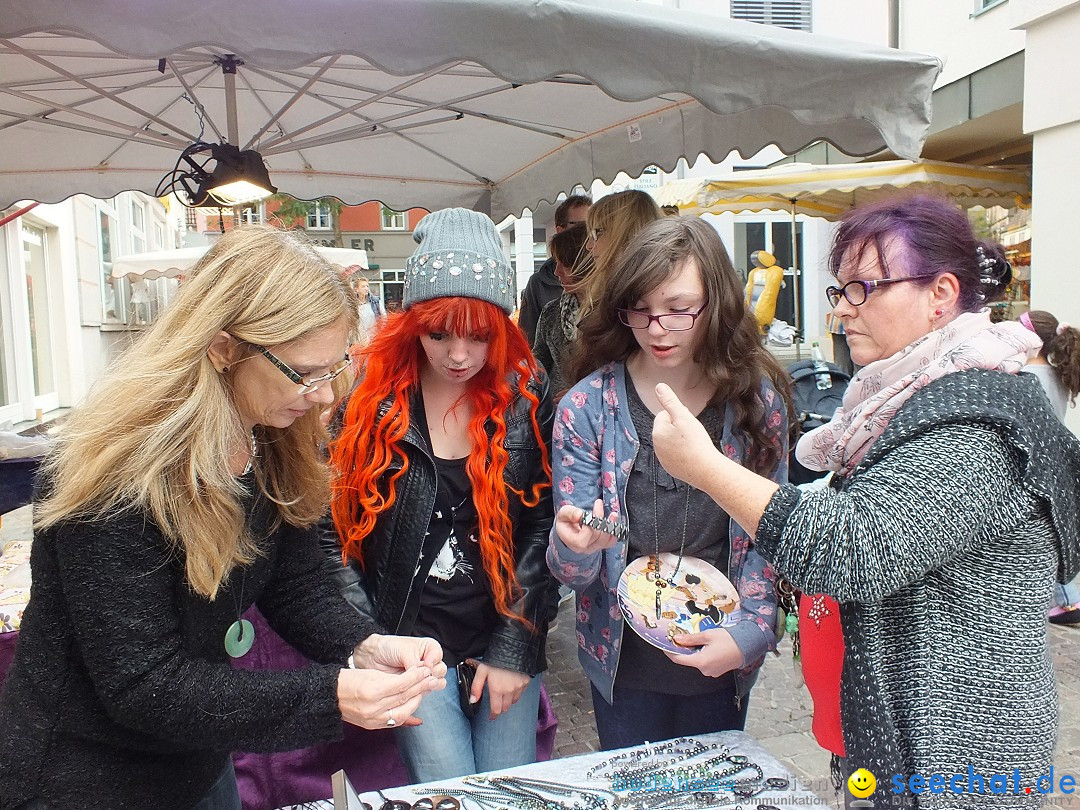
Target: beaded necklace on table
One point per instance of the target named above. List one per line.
(741, 777)
(680, 763)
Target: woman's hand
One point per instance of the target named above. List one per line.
(374, 699)
(395, 654)
(681, 442)
(717, 654)
(504, 686)
(583, 539)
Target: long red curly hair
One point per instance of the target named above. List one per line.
(370, 441)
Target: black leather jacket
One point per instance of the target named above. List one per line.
(387, 588)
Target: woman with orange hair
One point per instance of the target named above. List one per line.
(442, 502)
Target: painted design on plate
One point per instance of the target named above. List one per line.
(700, 598)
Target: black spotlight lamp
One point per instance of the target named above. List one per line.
(236, 178)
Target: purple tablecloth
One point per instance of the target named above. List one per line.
(17, 482)
(370, 758)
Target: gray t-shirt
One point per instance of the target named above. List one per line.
(1052, 385)
(642, 666)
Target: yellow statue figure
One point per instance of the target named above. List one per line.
(763, 286)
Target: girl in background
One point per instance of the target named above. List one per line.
(1057, 367)
(557, 328)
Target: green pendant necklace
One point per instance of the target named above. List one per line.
(241, 633)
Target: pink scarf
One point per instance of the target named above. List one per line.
(878, 391)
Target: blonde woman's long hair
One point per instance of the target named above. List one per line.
(620, 215)
(156, 434)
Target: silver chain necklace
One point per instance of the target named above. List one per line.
(662, 583)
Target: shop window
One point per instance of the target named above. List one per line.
(773, 236)
(391, 288)
(986, 5)
(138, 216)
(253, 215)
(319, 217)
(794, 14)
(5, 388)
(37, 309)
(138, 227)
(394, 220)
(114, 292)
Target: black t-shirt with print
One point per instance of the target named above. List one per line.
(455, 606)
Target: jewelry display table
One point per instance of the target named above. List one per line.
(725, 770)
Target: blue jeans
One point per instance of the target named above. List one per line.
(449, 744)
(636, 716)
(1065, 595)
(224, 795)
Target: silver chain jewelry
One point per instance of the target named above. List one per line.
(661, 583)
(616, 528)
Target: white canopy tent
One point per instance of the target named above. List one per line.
(490, 104)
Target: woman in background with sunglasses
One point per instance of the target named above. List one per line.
(672, 311)
(183, 491)
(442, 504)
(952, 508)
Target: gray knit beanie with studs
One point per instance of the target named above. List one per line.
(460, 255)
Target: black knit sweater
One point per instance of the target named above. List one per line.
(121, 694)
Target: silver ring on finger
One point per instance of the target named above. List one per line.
(390, 721)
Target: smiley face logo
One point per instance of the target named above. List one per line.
(861, 783)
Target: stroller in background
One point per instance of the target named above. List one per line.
(817, 389)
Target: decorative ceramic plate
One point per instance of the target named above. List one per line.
(695, 598)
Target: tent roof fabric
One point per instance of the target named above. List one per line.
(492, 104)
(828, 191)
(173, 263)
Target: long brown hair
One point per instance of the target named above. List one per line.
(729, 351)
(370, 440)
(1060, 349)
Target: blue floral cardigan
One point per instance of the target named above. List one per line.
(594, 445)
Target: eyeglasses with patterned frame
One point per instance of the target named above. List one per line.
(669, 321)
(306, 385)
(850, 290)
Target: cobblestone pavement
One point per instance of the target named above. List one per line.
(780, 708)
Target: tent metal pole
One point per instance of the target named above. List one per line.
(229, 64)
(796, 286)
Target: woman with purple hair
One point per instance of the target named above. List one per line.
(951, 510)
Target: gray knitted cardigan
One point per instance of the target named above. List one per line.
(941, 547)
(551, 346)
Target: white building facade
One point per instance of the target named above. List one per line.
(62, 318)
